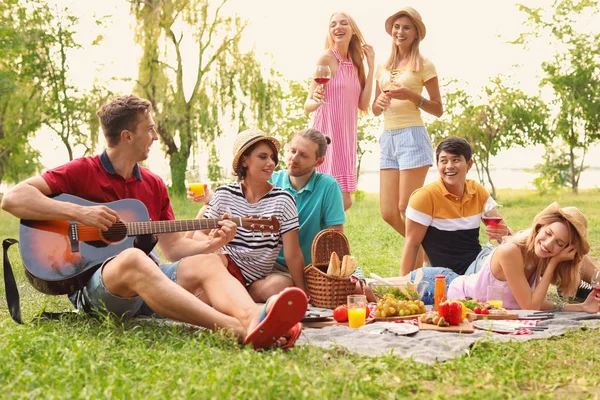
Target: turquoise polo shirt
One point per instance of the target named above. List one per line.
(319, 205)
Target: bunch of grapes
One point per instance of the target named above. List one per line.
(389, 306)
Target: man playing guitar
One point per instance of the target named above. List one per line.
(131, 283)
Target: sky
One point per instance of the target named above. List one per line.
(466, 40)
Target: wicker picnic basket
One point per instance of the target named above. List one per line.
(327, 291)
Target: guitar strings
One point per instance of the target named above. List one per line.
(124, 227)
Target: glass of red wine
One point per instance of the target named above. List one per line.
(322, 76)
(491, 217)
(595, 281)
(386, 90)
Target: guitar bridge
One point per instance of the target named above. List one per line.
(74, 237)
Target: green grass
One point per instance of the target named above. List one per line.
(80, 357)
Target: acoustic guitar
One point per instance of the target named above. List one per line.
(60, 256)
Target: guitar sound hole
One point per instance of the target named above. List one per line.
(115, 233)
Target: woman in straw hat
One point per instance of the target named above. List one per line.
(251, 255)
(524, 265)
(336, 104)
(406, 151)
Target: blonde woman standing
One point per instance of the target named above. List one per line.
(406, 150)
(336, 104)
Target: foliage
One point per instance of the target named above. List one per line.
(68, 112)
(22, 74)
(293, 117)
(502, 117)
(554, 172)
(227, 82)
(573, 74)
(367, 125)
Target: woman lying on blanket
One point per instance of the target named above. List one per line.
(250, 256)
(525, 265)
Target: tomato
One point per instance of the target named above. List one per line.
(485, 311)
(340, 314)
(477, 310)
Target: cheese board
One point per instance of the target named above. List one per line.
(464, 327)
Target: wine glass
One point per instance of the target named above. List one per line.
(386, 90)
(322, 76)
(595, 281)
(491, 217)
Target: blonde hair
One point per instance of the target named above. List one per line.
(566, 274)
(354, 49)
(415, 59)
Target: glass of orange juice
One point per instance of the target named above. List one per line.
(494, 295)
(193, 179)
(357, 310)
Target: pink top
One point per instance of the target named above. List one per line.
(338, 119)
(475, 286)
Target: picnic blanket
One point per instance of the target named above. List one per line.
(431, 346)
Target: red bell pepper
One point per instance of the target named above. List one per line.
(451, 311)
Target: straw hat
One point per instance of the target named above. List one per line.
(247, 138)
(413, 15)
(574, 216)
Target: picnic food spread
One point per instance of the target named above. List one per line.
(390, 306)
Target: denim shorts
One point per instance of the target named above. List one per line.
(96, 298)
(429, 274)
(405, 148)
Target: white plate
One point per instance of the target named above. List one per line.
(500, 326)
(379, 328)
(315, 314)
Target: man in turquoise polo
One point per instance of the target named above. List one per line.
(318, 196)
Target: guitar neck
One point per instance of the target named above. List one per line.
(157, 227)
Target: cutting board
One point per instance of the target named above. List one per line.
(331, 322)
(464, 327)
(398, 318)
(474, 317)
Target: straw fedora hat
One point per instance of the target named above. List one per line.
(574, 216)
(247, 138)
(413, 15)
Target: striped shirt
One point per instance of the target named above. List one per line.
(338, 119)
(452, 237)
(254, 252)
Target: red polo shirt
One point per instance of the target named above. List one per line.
(94, 179)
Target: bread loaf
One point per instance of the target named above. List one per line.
(334, 268)
(348, 266)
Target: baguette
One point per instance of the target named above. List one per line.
(348, 266)
(334, 268)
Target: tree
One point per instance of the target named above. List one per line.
(505, 117)
(227, 83)
(367, 124)
(22, 74)
(66, 111)
(574, 76)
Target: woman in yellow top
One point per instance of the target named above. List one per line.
(406, 150)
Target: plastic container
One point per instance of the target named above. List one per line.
(401, 291)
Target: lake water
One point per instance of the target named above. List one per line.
(503, 178)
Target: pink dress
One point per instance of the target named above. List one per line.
(338, 119)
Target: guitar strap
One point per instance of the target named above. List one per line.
(10, 285)
(12, 293)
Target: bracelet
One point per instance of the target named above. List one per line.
(421, 102)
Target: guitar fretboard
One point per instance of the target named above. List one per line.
(152, 227)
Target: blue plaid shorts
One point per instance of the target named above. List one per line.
(405, 148)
